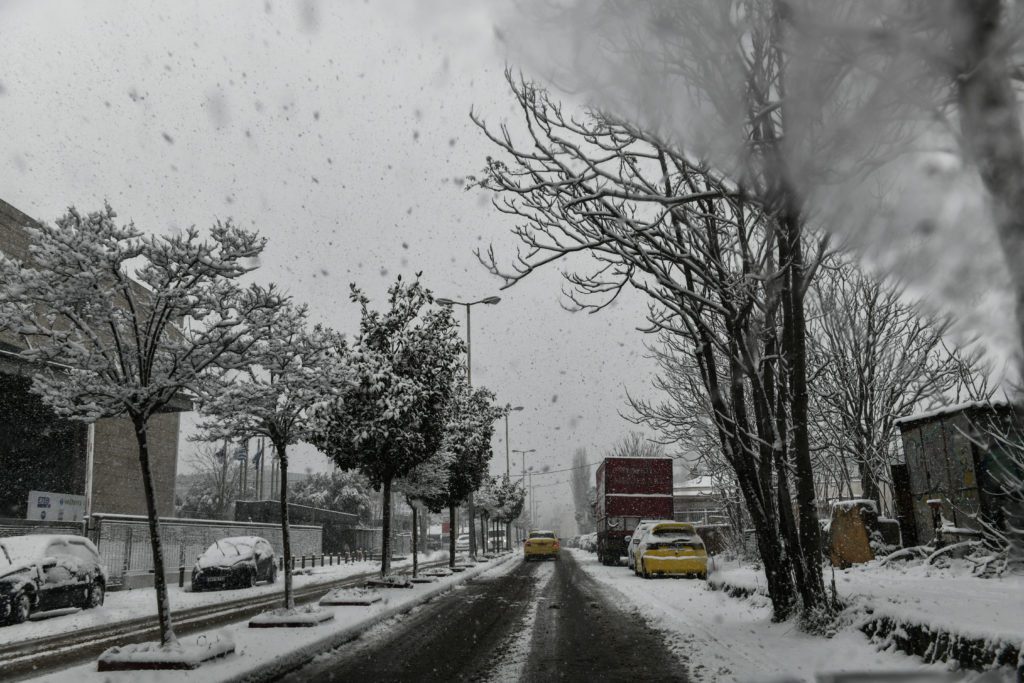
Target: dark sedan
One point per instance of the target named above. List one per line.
(46, 572)
(237, 562)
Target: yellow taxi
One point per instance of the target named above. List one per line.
(671, 549)
(541, 545)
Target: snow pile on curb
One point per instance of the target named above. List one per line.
(942, 615)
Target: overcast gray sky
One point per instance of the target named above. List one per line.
(340, 130)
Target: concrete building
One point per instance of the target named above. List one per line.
(42, 452)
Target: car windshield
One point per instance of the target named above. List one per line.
(22, 549)
(673, 533)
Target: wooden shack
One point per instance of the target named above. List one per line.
(956, 455)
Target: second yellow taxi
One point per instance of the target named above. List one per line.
(670, 549)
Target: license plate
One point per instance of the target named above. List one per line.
(215, 579)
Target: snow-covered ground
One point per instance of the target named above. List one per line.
(950, 597)
(261, 647)
(126, 605)
(728, 639)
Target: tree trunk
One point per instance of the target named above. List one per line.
(415, 537)
(794, 348)
(483, 534)
(163, 606)
(286, 539)
(385, 549)
(451, 535)
(508, 535)
(471, 513)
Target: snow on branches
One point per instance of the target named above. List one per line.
(391, 416)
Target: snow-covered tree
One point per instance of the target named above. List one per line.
(876, 357)
(510, 500)
(470, 424)
(342, 490)
(217, 483)
(391, 417)
(486, 500)
(288, 371)
(120, 323)
(422, 486)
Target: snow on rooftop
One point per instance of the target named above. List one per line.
(698, 486)
(948, 410)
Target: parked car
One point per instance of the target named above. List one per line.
(45, 572)
(634, 540)
(541, 545)
(671, 549)
(237, 562)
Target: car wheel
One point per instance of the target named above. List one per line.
(273, 574)
(250, 579)
(21, 607)
(96, 595)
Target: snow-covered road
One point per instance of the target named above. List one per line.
(729, 639)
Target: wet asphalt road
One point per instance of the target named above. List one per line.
(479, 633)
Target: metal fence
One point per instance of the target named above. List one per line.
(21, 527)
(124, 544)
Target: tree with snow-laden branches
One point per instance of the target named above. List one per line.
(424, 483)
(470, 425)
(120, 323)
(511, 498)
(391, 416)
(286, 373)
(342, 490)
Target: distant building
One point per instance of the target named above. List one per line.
(698, 501)
(45, 453)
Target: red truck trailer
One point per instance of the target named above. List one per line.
(629, 490)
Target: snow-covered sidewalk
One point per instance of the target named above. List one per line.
(123, 606)
(950, 599)
(261, 652)
(725, 639)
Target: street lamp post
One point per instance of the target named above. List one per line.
(490, 301)
(522, 455)
(508, 409)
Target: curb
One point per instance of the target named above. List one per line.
(305, 654)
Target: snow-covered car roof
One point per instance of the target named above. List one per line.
(232, 547)
(32, 547)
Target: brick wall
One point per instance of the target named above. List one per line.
(117, 479)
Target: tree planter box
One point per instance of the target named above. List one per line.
(180, 655)
(391, 581)
(437, 572)
(351, 596)
(300, 617)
